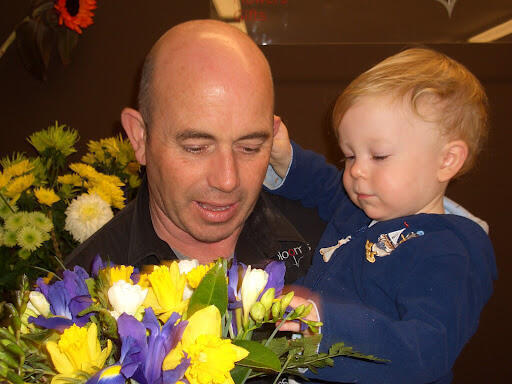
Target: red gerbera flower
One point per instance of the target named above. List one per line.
(75, 13)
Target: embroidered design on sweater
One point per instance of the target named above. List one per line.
(327, 252)
(387, 243)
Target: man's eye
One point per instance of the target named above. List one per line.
(251, 149)
(380, 157)
(195, 148)
(348, 158)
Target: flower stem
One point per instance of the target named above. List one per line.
(7, 43)
(58, 253)
(3, 197)
(290, 356)
(277, 329)
(10, 39)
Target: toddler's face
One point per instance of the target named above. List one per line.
(392, 159)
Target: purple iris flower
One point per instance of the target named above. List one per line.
(276, 271)
(142, 356)
(67, 298)
(234, 296)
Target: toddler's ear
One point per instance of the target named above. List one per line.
(453, 156)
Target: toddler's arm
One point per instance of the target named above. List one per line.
(306, 176)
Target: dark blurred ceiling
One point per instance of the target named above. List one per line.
(369, 21)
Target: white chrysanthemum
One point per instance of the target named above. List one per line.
(85, 215)
(29, 238)
(40, 221)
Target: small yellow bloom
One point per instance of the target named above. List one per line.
(4, 179)
(18, 185)
(71, 179)
(109, 192)
(84, 170)
(195, 276)
(166, 293)
(121, 272)
(78, 349)
(46, 196)
(19, 169)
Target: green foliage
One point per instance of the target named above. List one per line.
(55, 139)
(260, 357)
(22, 355)
(213, 289)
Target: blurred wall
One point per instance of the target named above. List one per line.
(89, 94)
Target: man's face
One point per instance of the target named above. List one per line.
(206, 155)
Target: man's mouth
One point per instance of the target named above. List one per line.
(216, 212)
(215, 208)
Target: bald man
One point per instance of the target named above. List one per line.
(204, 132)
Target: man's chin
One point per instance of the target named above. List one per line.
(211, 234)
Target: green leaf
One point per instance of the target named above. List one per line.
(28, 49)
(213, 290)
(339, 349)
(260, 357)
(279, 346)
(238, 374)
(66, 42)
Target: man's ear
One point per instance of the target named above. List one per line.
(135, 129)
(277, 123)
(454, 155)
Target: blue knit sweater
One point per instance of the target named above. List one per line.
(409, 289)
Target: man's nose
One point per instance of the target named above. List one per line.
(223, 173)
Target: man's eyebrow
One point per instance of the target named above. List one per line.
(192, 134)
(255, 135)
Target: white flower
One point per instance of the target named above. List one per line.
(185, 267)
(253, 284)
(85, 215)
(38, 303)
(125, 297)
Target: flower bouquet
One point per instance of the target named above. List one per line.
(48, 206)
(175, 323)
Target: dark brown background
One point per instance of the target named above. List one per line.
(89, 94)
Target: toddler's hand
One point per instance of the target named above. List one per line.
(306, 297)
(281, 154)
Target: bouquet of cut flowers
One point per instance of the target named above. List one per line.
(175, 323)
(47, 206)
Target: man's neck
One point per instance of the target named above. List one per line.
(187, 245)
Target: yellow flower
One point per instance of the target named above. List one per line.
(166, 293)
(4, 179)
(195, 276)
(78, 349)
(211, 358)
(109, 192)
(84, 170)
(71, 179)
(18, 169)
(121, 272)
(19, 185)
(46, 196)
